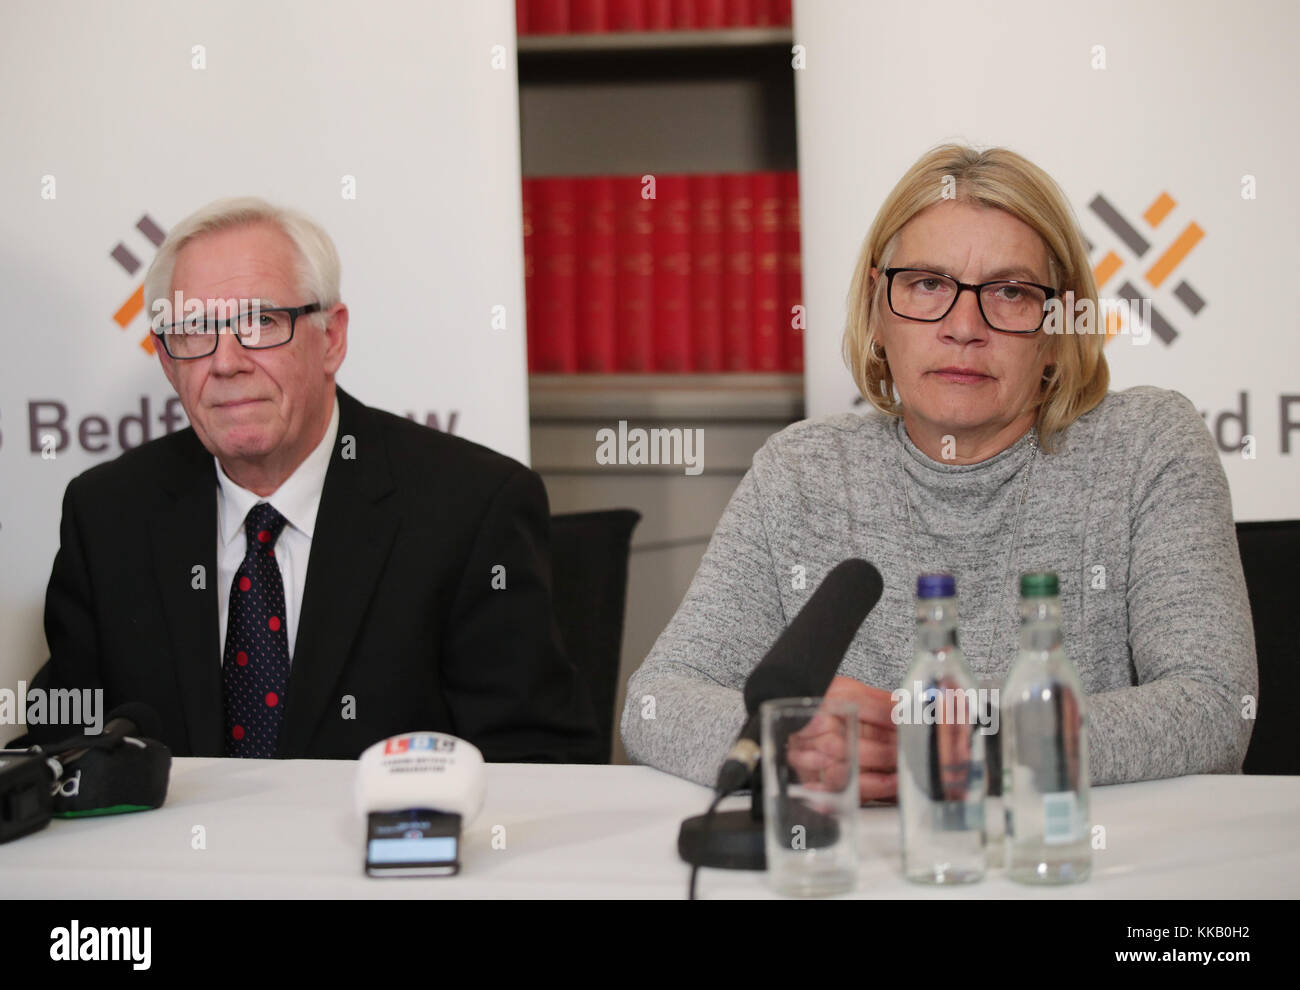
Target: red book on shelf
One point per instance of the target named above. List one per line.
(672, 292)
(685, 15)
(706, 272)
(588, 16)
(521, 16)
(548, 16)
(597, 344)
(710, 13)
(767, 321)
(783, 13)
(627, 15)
(738, 271)
(556, 209)
(634, 248)
(791, 273)
(764, 13)
(658, 15)
(740, 13)
(530, 273)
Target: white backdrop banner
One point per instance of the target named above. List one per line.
(394, 125)
(1169, 126)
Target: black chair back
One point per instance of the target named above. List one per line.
(589, 554)
(1270, 558)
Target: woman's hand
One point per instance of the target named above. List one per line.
(877, 738)
(817, 750)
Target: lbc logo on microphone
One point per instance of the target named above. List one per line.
(419, 742)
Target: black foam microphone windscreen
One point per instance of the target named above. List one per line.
(804, 658)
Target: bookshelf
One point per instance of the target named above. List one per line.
(658, 102)
(663, 101)
(729, 39)
(726, 397)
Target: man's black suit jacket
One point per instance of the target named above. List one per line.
(400, 627)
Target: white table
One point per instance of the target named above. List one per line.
(287, 829)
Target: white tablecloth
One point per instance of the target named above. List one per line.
(288, 829)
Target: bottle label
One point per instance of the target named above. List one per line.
(1062, 818)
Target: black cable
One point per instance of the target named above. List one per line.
(695, 867)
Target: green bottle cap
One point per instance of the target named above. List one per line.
(1039, 584)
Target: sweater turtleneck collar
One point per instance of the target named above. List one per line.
(987, 475)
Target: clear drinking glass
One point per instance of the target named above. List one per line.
(810, 795)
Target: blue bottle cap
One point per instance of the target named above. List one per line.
(936, 586)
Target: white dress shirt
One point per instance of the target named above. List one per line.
(298, 500)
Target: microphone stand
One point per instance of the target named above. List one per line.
(727, 840)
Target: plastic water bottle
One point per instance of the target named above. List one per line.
(941, 772)
(1044, 748)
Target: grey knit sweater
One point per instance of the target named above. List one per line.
(1132, 512)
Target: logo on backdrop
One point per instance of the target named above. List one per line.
(134, 305)
(53, 427)
(1159, 266)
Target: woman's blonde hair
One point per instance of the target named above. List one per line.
(1077, 377)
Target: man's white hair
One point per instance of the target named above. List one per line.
(318, 260)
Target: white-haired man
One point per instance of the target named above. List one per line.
(349, 553)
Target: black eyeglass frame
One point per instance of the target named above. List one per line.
(1050, 292)
(223, 325)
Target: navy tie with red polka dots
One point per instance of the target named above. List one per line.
(255, 668)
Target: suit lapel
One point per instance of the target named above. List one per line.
(352, 540)
(184, 537)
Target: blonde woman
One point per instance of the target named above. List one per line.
(993, 447)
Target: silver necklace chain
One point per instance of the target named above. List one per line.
(1012, 546)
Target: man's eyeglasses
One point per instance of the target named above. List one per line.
(1008, 305)
(255, 329)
